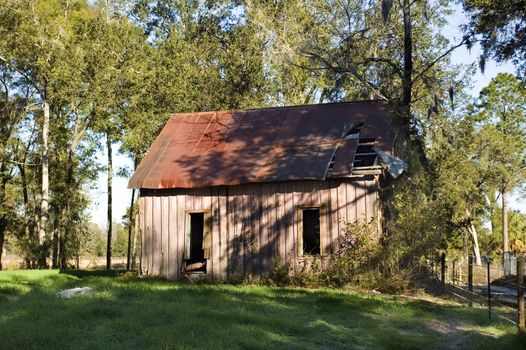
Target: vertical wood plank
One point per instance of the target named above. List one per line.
(189, 199)
(258, 197)
(266, 208)
(148, 247)
(165, 234)
(251, 238)
(333, 217)
(173, 254)
(294, 223)
(303, 194)
(152, 234)
(361, 194)
(314, 189)
(325, 230)
(239, 222)
(208, 202)
(280, 224)
(246, 230)
(223, 234)
(254, 232)
(350, 201)
(289, 222)
(372, 192)
(232, 232)
(144, 235)
(181, 232)
(343, 204)
(273, 224)
(157, 234)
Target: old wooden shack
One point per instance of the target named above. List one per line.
(233, 191)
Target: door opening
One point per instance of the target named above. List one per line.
(196, 261)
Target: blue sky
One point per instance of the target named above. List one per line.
(121, 195)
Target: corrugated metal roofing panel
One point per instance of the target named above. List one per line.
(272, 144)
(343, 158)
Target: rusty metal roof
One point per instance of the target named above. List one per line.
(261, 145)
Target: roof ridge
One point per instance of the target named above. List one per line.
(279, 107)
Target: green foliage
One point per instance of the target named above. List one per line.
(500, 113)
(354, 263)
(120, 68)
(491, 239)
(341, 51)
(120, 240)
(356, 259)
(502, 29)
(95, 243)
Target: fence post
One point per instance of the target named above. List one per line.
(520, 293)
(453, 273)
(489, 286)
(470, 276)
(470, 273)
(443, 269)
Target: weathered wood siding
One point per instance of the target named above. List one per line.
(250, 224)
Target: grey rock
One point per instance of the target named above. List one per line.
(74, 292)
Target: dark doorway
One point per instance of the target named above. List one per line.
(311, 231)
(196, 261)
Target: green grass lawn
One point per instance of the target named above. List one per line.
(130, 313)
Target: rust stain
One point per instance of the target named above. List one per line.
(261, 145)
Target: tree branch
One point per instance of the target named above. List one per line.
(349, 71)
(444, 54)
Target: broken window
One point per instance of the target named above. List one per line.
(195, 261)
(311, 231)
(365, 155)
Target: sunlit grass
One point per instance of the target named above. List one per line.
(126, 312)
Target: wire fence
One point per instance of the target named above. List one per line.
(497, 283)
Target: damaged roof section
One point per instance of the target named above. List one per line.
(262, 145)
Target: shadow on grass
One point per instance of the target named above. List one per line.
(95, 273)
(127, 312)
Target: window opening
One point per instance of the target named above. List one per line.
(365, 155)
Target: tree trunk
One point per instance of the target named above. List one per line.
(505, 244)
(79, 130)
(64, 237)
(403, 137)
(110, 179)
(77, 260)
(474, 237)
(506, 256)
(130, 224)
(493, 207)
(135, 234)
(28, 229)
(3, 221)
(408, 58)
(44, 207)
(476, 248)
(36, 230)
(3, 218)
(55, 250)
(2, 235)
